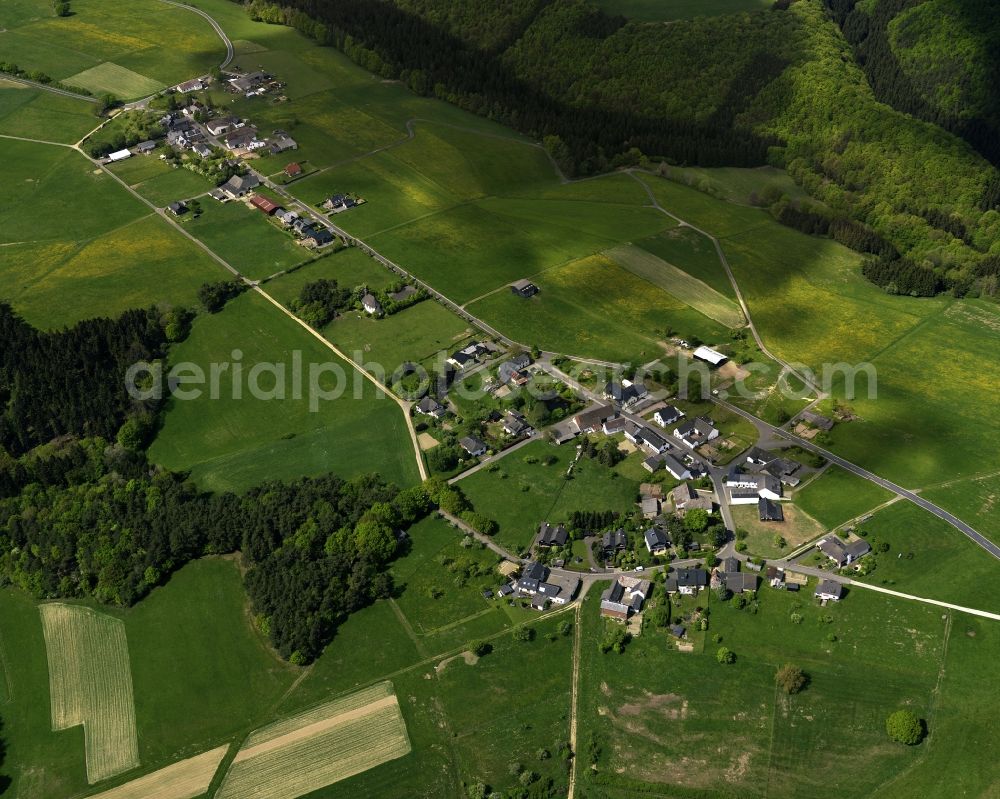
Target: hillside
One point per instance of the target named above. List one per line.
(779, 86)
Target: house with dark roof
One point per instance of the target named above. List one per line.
(667, 415)
(746, 489)
(177, 208)
(623, 597)
(677, 631)
(282, 143)
(769, 511)
(656, 541)
(822, 422)
(843, 552)
(740, 582)
(316, 236)
(221, 125)
(625, 393)
(145, 147)
(239, 185)
(549, 536)
(687, 580)
(677, 469)
(649, 440)
(523, 288)
(514, 370)
(514, 424)
(829, 590)
(613, 541)
(474, 446)
(590, 421)
(653, 463)
(687, 498)
(429, 406)
(371, 304)
(467, 355)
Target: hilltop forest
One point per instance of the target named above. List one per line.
(785, 86)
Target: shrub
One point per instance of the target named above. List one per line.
(905, 727)
(725, 655)
(790, 678)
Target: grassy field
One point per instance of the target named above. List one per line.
(129, 50)
(182, 780)
(694, 253)
(234, 443)
(682, 724)
(246, 239)
(520, 495)
(37, 114)
(90, 685)
(838, 496)
(107, 255)
(677, 282)
(200, 675)
(349, 267)
(161, 183)
(736, 184)
(797, 528)
(972, 500)
(662, 10)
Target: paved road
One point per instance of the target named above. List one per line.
(853, 468)
(494, 458)
(215, 25)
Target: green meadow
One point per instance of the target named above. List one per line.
(233, 443)
(37, 114)
(974, 500)
(130, 50)
(659, 721)
(837, 496)
(349, 267)
(519, 495)
(159, 182)
(109, 255)
(245, 238)
(684, 245)
(201, 675)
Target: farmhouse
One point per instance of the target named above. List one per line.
(842, 552)
(524, 288)
(371, 304)
(293, 170)
(746, 489)
(829, 590)
(656, 541)
(625, 596)
(474, 446)
(625, 393)
(695, 432)
(145, 147)
(687, 581)
(177, 208)
(429, 406)
(710, 356)
(238, 185)
(119, 155)
(549, 536)
(220, 125)
(264, 205)
(769, 511)
(194, 85)
(557, 589)
(244, 138)
(281, 143)
(248, 82)
(612, 542)
(667, 415)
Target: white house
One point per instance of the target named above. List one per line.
(667, 415)
(695, 432)
(119, 155)
(677, 469)
(829, 589)
(747, 489)
(371, 304)
(656, 541)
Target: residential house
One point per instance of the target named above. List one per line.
(514, 424)
(695, 432)
(264, 205)
(822, 422)
(656, 541)
(613, 542)
(239, 185)
(625, 393)
(243, 138)
(677, 631)
(650, 507)
(145, 147)
(653, 463)
(740, 582)
(177, 208)
(843, 552)
(650, 440)
(287, 218)
(514, 370)
(202, 150)
(474, 446)
(505, 591)
(524, 288)
(759, 457)
(619, 424)
(281, 143)
(317, 237)
(549, 536)
(293, 170)
(624, 596)
(688, 581)
(769, 511)
(775, 577)
(829, 590)
(747, 489)
(687, 498)
(667, 415)
(467, 355)
(710, 356)
(371, 304)
(429, 406)
(590, 421)
(177, 138)
(532, 574)
(558, 589)
(729, 564)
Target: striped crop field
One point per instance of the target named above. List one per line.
(322, 746)
(687, 288)
(90, 683)
(185, 779)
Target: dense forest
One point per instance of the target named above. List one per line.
(113, 527)
(72, 381)
(779, 86)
